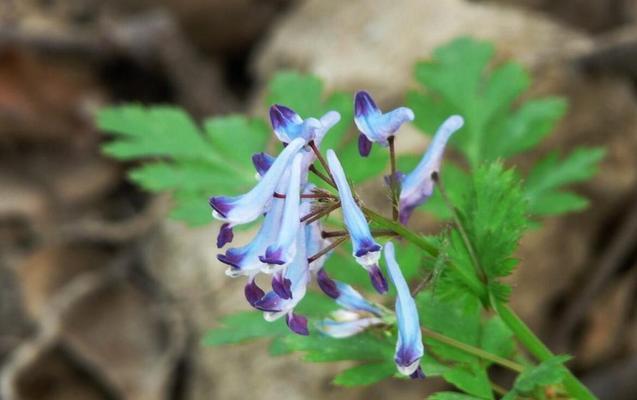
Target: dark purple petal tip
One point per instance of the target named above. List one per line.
(269, 303)
(364, 104)
(364, 145)
(327, 285)
(282, 287)
(273, 256)
(417, 374)
(378, 280)
(297, 324)
(225, 235)
(253, 293)
(262, 162)
(232, 258)
(280, 116)
(365, 247)
(220, 204)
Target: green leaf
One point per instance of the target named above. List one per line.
(182, 159)
(549, 175)
(365, 374)
(457, 318)
(363, 347)
(549, 372)
(497, 338)
(451, 396)
(493, 214)
(458, 81)
(473, 380)
(243, 326)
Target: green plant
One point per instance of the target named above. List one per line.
(466, 322)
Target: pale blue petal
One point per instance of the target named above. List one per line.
(409, 347)
(282, 251)
(248, 207)
(418, 186)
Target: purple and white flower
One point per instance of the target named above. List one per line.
(236, 210)
(374, 125)
(418, 185)
(409, 347)
(288, 125)
(366, 250)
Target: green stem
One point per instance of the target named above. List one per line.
(475, 351)
(393, 180)
(470, 280)
(532, 343)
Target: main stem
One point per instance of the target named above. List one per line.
(536, 347)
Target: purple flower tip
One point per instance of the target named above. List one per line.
(282, 287)
(364, 104)
(253, 293)
(272, 256)
(364, 145)
(220, 205)
(378, 279)
(262, 162)
(232, 258)
(417, 374)
(297, 324)
(280, 116)
(225, 235)
(367, 247)
(327, 285)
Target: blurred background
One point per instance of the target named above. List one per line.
(102, 297)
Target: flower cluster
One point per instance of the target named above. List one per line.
(291, 245)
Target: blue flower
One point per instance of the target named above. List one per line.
(298, 275)
(288, 125)
(376, 127)
(246, 208)
(346, 323)
(366, 250)
(409, 347)
(356, 315)
(281, 252)
(418, 186)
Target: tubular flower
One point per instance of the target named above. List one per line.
(281, 252)
(418, 186)
(288, 125)
(356, 315)
(366, 250)
(298, 274)
(246, 208)
(409, 347)
(374, 125)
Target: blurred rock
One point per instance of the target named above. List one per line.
(117, 326)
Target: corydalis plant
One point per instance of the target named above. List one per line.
(466, 324)
(289, 247)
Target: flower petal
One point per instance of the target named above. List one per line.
(297, 324)
(225, 235)
(281, 252)
(373, 124)
(262, 162)
(248, 207)
(343, 329)
(409, 347)
(418, 186)
(365, 249)
(350, 299)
